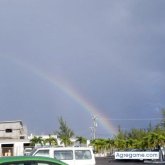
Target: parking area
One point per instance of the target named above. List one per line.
(107, 161)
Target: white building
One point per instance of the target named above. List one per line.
(13, 138)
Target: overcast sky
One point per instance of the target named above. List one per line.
(109, 53)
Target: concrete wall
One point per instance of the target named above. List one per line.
(12, 130)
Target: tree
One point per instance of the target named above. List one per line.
(163, 116)
(36, 140)
(150, 127)
(81, 140)
(100, 145)
(51, 140)
(64, 133)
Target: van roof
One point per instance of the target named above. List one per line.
(64, 148)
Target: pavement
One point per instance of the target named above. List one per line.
(107, 161)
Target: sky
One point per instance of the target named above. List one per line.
(80, 60)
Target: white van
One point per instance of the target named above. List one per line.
(69, 155)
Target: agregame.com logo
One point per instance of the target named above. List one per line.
(137, 155)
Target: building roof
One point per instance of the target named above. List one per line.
(13, 121)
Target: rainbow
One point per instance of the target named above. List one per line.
(71, 92)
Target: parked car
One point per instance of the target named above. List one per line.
(29, 160)
(28, 150)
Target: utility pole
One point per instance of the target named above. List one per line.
(94, 126)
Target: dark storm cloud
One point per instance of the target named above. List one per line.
(112, 52)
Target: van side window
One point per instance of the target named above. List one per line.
(42, 153)
(63, 154)
(83, 154)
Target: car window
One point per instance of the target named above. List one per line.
(42, 153)
(83, 154)
(63, 154)
(32, 152)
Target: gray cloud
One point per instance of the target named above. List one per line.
(111, 52)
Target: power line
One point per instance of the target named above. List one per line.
(131, 119)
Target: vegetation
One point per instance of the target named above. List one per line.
(36, 140)
(146, 139)
(64, 133)
(81, 140)
(51, 141)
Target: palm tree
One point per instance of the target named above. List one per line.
(36, 140)
(64, 133)
(110, 145)
(66, 141)
(120, 143)
(51, 141)
(81, 140)
(100, 145)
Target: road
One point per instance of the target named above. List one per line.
(106, 161)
